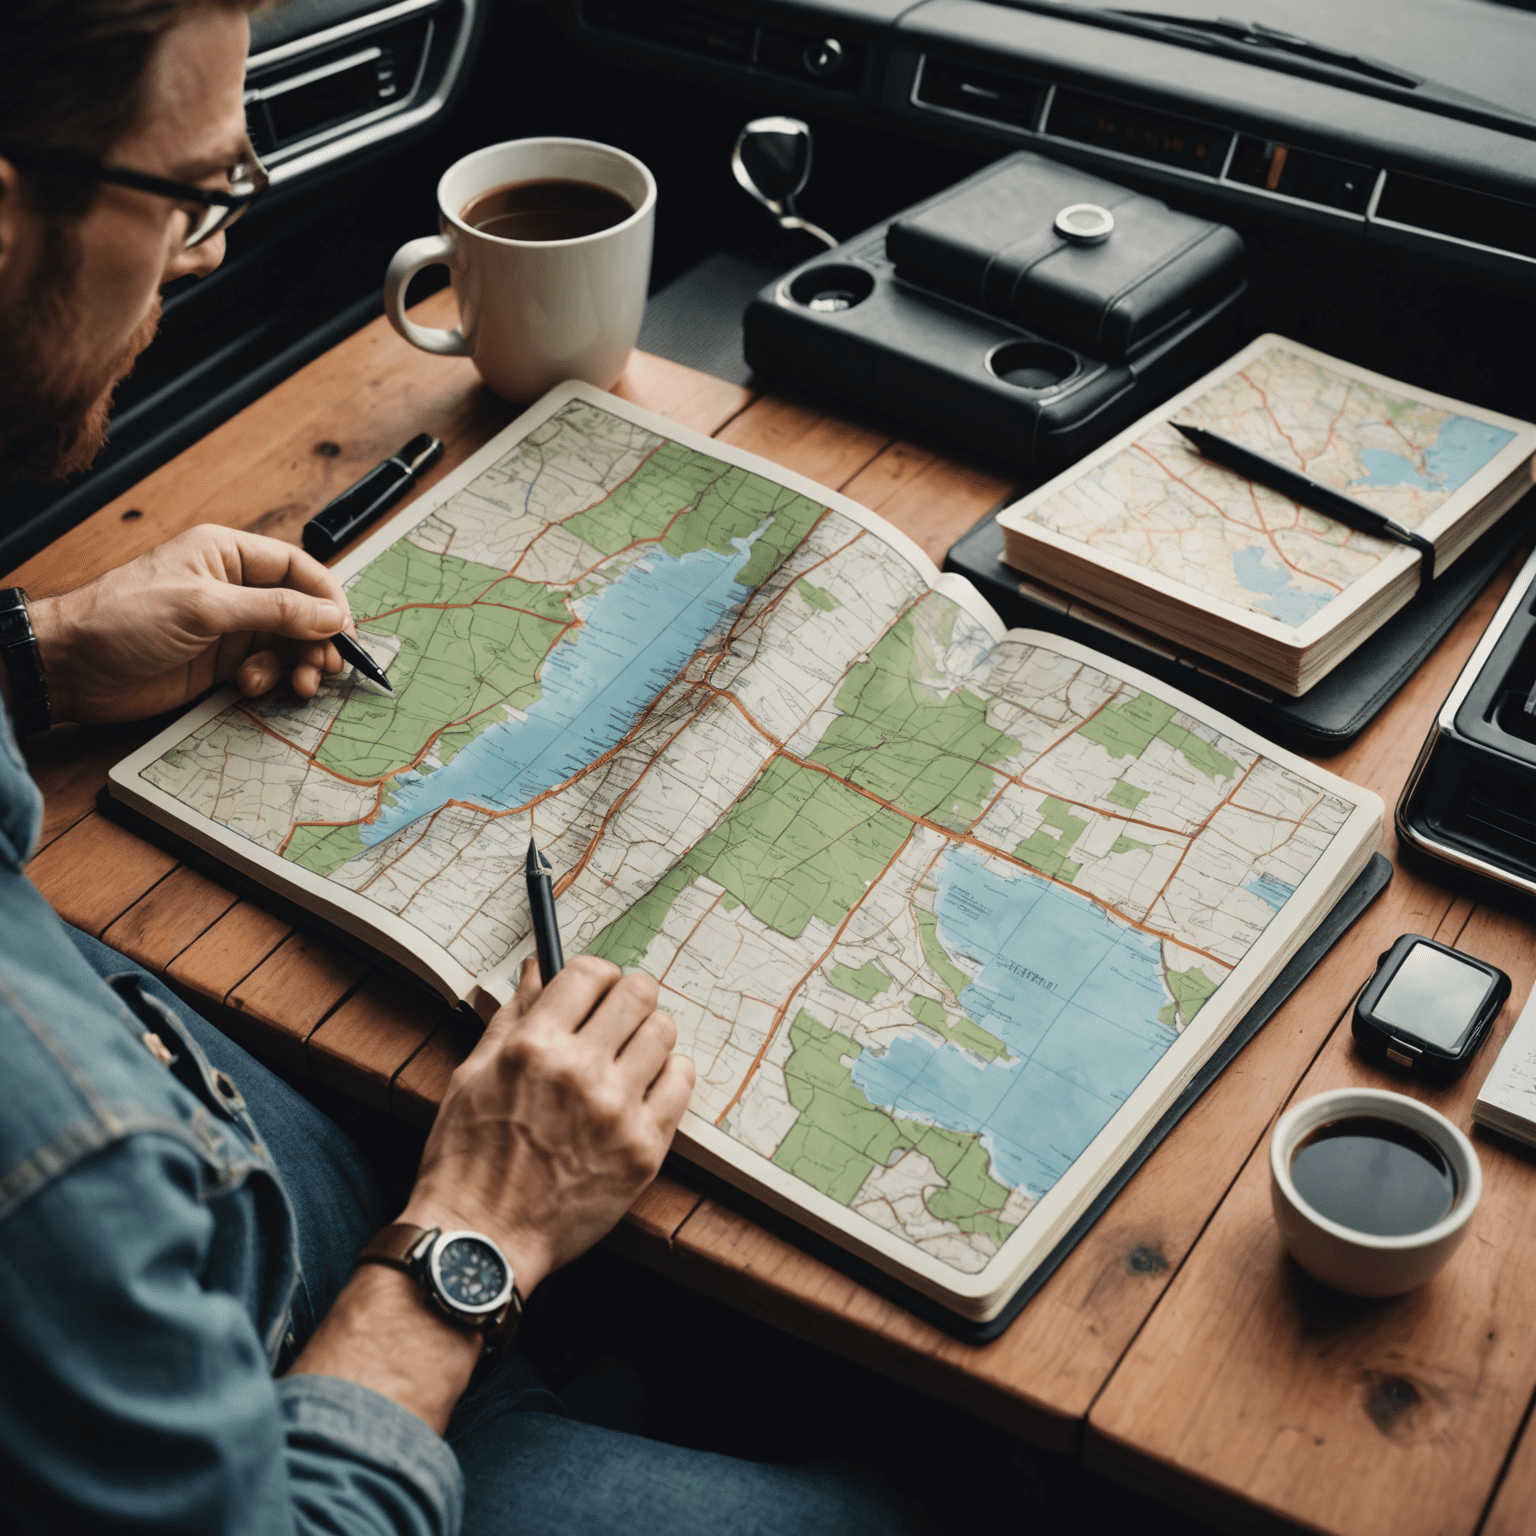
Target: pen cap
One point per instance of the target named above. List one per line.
(338, 523)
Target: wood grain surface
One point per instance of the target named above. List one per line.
(1176, 1346)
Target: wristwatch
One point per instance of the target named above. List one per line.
(23, 664)
(464, 1275)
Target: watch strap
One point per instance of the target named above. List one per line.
(404, 1246)
(400, 1246)
(23, 662)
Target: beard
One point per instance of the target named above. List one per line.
(55, 390)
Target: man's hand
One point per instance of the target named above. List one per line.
(555, 1122)
(211, 605)
(558, 1118)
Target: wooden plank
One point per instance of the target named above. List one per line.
(682, 394)
(172, 915)
(419, 1086)
(284, 998)
(1514, 1508)
(804, 439)
(1254, 1387)
(932, 500)
(211, 967)
(70, 764)
(95, 871)
(370, 1037)
(648, 1227)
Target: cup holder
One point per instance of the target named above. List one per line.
(1032, 364)
(832, 287)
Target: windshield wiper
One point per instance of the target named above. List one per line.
(1255, 34)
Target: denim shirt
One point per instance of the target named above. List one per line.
(147, 1268)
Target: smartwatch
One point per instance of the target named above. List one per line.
(1428, 1007)
(464, 1276)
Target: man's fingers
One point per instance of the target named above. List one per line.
(223, 609)
(646, 1051)
(569, 999)
(669, 1094)
(258, 674)
(627, 1005)
(264, 562)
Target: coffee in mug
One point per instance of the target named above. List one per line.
(548, 242)
(1374, 1175)
(546, 210)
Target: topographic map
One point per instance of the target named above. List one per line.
(926, 906)
(1158, 504)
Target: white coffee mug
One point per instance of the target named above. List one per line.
(535, 312)
(1362, 1263)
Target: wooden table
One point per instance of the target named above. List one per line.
(1176, 1347)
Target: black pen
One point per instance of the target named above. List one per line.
(362, 503)
(541, 901)
(1302, 488)
(354, 655)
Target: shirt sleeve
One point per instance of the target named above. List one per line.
(135, 1399)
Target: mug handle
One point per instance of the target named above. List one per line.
(406, 263)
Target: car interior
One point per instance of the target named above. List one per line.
(1378, 161)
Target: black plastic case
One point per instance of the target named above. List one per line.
(1017, 342)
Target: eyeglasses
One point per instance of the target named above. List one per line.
(207, 211)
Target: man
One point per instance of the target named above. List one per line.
(185, 1344)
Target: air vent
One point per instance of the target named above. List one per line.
(297, 101)
(1139, 132)
(1302, 174)
(675, 26)
(978, 93)
(1479, 218)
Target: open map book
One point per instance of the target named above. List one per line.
(947, 916)
(1151, 533)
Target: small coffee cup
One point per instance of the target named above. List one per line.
(533, 313)
(1365, 1263)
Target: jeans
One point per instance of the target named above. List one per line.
(529, 1467)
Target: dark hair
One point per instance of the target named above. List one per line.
(73, 72)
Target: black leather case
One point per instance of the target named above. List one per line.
(992, 243)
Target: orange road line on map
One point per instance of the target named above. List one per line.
(783, 1007)
(645, 459)
(1267, 533)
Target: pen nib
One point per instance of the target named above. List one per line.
(537, 863)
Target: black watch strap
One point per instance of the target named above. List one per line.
(23, 664)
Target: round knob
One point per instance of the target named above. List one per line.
(1085, 224)
(822, 59)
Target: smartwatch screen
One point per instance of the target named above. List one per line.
(1433, 996)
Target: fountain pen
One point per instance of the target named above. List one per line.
(541, 900)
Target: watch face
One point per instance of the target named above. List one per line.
(470, 1273)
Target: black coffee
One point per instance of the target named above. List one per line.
(1373, 1176)
(546, 210)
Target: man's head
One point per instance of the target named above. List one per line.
(151, 85)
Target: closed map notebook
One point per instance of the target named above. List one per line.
(1147, 530)
(1507, 1100)
(948, 916)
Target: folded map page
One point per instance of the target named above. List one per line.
(944, 914)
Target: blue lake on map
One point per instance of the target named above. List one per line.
(637, 634)
(1462, 448)
(1072, 992)
(1257, 570)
